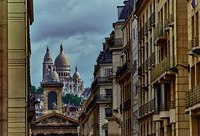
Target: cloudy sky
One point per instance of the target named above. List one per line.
(81, 26)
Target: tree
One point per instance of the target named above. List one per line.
(39, 90)
(32, 89)
(70, 98)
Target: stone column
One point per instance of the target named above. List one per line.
(157, 105)
(163, 97)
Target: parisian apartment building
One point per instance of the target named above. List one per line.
(16, 17)
(153, 86)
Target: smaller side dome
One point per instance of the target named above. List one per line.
(54, 76)
(76, 74)
(47, 57)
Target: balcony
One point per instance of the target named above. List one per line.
(124, 70)
(151, 22)
(146, 66)
(193, 96)
(97, 99)
(118, 42)
(146, 28)
(102, 98)
(100, 80)
(169, 22)
(160, 36)
(163, 67)
(146, 109)
(193, 47)
(151, 61)
(165, 111)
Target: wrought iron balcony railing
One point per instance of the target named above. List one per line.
(151, 22)
(193, 96)
(103, 97)
(152, 19)
(193, 43)
(164, 65)
(151, 60)
(169, 21)
(165, 107)
(146, 66)
(118, 42)
(99, 98)
(100, 80)
(160, 33)
(127, 66)
(147, 108)
(146, 27)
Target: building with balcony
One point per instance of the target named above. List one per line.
(145, 12)
(162, 39)
(124, 72)
(135, 76)
(93, 119)
(114, 122)
(192, 94)
(15, 109)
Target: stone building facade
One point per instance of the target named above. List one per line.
(61, 69)
(192, 93)
(16, 16)
(163, 67)
(93, 120)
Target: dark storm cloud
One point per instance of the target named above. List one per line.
(81, 25)
(70, 17)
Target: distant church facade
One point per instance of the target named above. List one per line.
(59, 71)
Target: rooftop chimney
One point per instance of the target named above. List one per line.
(120, 8)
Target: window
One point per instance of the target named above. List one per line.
(108, 71)
(108, 91)
(52, 98)
(108, 112)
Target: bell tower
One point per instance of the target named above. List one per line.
(52, 97)
(47, 64)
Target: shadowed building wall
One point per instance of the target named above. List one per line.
(15, 18)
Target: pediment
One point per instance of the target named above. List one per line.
(55, 119)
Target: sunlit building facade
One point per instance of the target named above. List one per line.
(192, 94)
(124, 73)
(163, 67)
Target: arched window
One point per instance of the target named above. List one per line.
(52, 98)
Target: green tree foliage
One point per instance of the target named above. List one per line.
(70, 98)
(32, 89)
(39, 90)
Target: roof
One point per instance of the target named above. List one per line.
(61, 59)
(127, 10)
(47, 57)
(57, 115)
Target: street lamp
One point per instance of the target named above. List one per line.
(174, 69)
